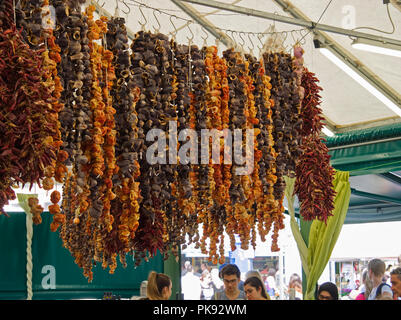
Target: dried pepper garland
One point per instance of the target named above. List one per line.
(314, 174)
(314, 181)
(27, 123)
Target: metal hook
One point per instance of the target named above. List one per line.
(233, 42)
(173, 33)
(293, 37)
(157, 20)
(117, 10)
(253, 45)
(146, 21)
(190, 30)
(283, 41)
(260, 35)
(129, 9)
(243, 41)
(205, 38)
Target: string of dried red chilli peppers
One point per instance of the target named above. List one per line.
(28, 120)
(314, 174)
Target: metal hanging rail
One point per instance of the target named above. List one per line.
(294, 21)
(364, 143)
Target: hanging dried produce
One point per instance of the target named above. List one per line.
(238, 105)
(267, 164)
(284, 93)
(311, 113)
(27, 124)
(213, 121)
(186, 220)
(125, 207)
(36, 210)
(314, 181)
(198, 85)
(29, 20)
(145, 67)
(314, 174)
(54, 209)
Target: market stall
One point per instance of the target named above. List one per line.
(139, 137)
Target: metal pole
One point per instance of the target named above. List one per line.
(204, 22)
(298, 22)
(364, 143)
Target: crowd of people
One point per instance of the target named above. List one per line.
(225, 284)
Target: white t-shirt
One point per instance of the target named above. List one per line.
(191, 287)
(385, 288)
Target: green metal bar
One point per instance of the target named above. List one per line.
(391, 177)
(374, 196)
(172, 268)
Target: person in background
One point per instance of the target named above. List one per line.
(206, 284)
(380, 290)
(231, 276)
(190, 285)
(159, 286)
(395, 275)
(327, 291)
(184, 268)
(271, 283)
(253, 273)
(399, 260)
(366, 286)
(217, 282)
(295, 287)
(255, 289)
(257, 274)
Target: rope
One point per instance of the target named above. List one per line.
(29, 265)
(23, 202)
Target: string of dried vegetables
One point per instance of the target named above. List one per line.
(27, 121)
(314, 174)
(187, 218)
(238, 106)
(147, 75)
(278, 68)
(125, 207)
(77, 229)
(211, 223)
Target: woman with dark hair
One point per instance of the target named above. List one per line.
(255, 289)
(159, 286)
(327, 291)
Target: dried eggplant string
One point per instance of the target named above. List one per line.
(125, 206)
(147, 75)
(186, 220)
